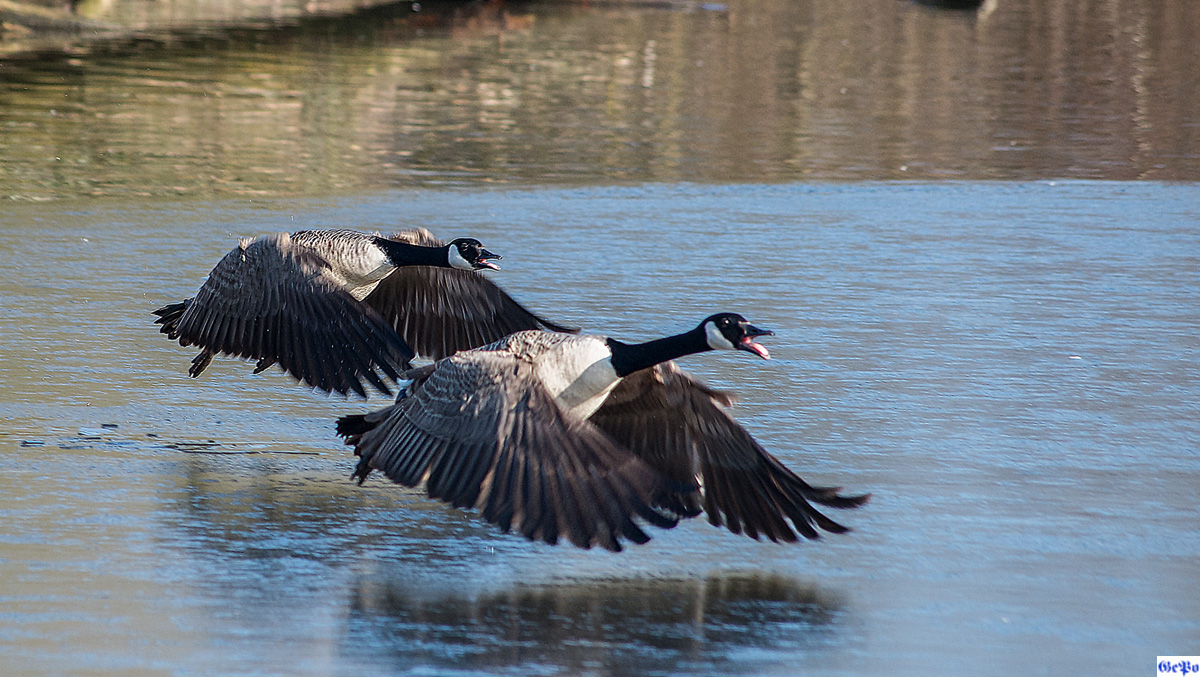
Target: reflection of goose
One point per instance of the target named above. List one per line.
(726, 623)
(335, 307)
(577, 435)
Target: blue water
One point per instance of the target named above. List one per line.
(1011, 369)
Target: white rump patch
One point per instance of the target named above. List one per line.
(404, 384)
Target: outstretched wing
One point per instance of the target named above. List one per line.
(272, 300)
(480, 432)
(441, 311)
(680, 428)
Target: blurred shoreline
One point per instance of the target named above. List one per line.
(25, 21)
(33, 26)
(451, 93)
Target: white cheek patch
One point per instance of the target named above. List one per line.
(456, 260)
(716, 340)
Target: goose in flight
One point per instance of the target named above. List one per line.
(335, 308)
(578, 435)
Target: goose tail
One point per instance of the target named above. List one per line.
(169, 316)
(352, 428)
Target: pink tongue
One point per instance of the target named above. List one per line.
(757, 348)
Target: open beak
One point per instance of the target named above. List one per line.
(482, 261)
(747, 343)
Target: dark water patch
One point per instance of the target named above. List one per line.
(728, 623)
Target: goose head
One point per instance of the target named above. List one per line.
(467, 253)
(730, 331)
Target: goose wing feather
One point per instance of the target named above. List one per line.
(682, 429)
(440, 311)
(481, 432)
(274, 301)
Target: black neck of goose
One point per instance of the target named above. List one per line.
(630, 357)
(405, 254)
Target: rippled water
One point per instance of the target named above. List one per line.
(1009, 366)
(752, 90)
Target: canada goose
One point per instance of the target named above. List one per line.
(335, 307)
(559, 434)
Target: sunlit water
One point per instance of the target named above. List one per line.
(1009, 366)
(1011, 369)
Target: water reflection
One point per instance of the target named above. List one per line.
(256, 509)
(751, 90)
(265, 507)
(414, 587)
(725, 622)
(958, 4)
(190, 15)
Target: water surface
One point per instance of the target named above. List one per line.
(1010, 368)
(975, 235)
